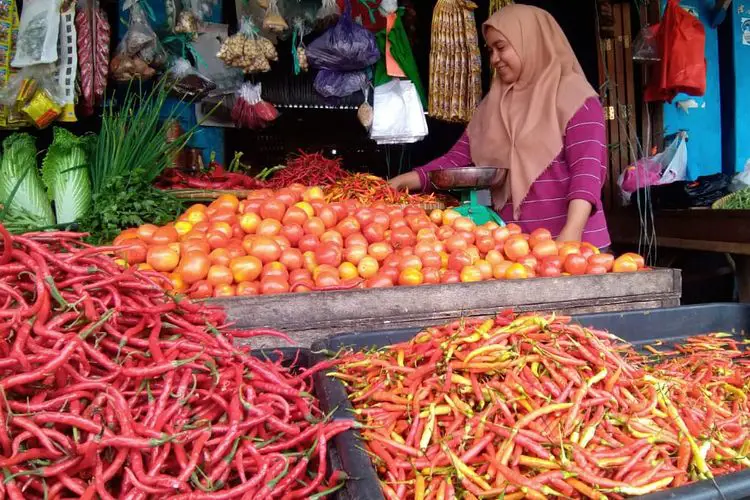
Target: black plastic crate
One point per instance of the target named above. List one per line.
(637, 327)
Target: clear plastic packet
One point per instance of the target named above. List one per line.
(646, 45)
(250, 110)
(35, 93)
(186, 82)
(187, 22)
(246, 49)
(365, 111)
(140, 53)
(299, 53)
(273, 21)
(38, 33)
(327, 14)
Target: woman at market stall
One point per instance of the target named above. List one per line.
(541, 122)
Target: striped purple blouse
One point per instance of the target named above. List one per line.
(578, 172)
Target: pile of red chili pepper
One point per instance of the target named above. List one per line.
(111, 389)
(535, 407)
(308, 169)
(369, 189)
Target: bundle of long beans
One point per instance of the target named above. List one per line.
(535, 406)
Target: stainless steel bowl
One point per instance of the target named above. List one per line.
(466, 177)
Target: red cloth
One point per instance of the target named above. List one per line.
(682, 42)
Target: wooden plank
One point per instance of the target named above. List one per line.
(312, 316)
(629, 80)
(620, 94)
(612, 126)
(608, 188)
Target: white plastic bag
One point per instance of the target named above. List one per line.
(663, 168)
(742, 179)
(38, 33)
(398, 116)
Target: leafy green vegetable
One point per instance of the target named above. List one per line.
(21, 190)
(126, 202)
(65, 173)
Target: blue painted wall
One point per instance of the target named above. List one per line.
(739, 154)
(703, 123)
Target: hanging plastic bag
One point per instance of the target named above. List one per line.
(339, 83)
(398, 116)
(38, 33)
(742, 179)
(140, 53)
(365, 111)
(682, 42)
(250, 110)
(248, 50)
(299, 53)
(186, 82)
(663, 168)
(646, 45)
(345, 47)
(273, 20)
(34, 92)
(327, 14)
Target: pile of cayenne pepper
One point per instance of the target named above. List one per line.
(111, 389)
(538, 407)
(309, 169)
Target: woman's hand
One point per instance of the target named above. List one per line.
(409, 180)
(578, 215)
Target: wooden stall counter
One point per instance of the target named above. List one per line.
(308, 317)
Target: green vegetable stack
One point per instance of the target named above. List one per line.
(65, 173)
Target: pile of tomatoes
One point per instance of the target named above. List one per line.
(292, 240)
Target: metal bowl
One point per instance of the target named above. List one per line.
(466, 177)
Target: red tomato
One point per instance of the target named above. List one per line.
(499, 269)
(605, 260)
(410, 277)
(348, 226)
(529, 261)
(432, 260)
(449, 276)
(368, 267)
(314, 226)
(273, 209)
(624, 264)
(294, 215)
(355, 254)
(135, 251)
(274, 285)
(265, 249)
(596, 269)
(567, 249)
(218, 275)
(470, 274)
(374, 232)
(516, 247)
(293, 233)
(410, 262)
(379, 250)
(544, 248)
(639, 261)
(146, 231)
(575, 264)
(402, 237)
(516, 271)
(245, 268)
(275, 269)
(164, 235)
(201, 290)
(194, 266)
(379, 282)
(458, 260)
(485, 244)
(328, 253)
(549, 270)
(162, 258)
(431, 276)
(248, 288)
(220, 256)
(513, 229)
(292, 259)
(224, 290)
(391, 272)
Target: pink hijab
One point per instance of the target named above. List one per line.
(520, 126)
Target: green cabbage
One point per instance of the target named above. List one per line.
(21, 190)
(65, 173)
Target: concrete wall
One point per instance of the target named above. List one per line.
(702, 123)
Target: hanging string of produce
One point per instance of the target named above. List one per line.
(455, 80)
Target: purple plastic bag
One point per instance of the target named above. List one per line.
(345, 47)
(339, 83)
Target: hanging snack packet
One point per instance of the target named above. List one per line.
(365, 111)
(327, 14)
(37, 35)
(67, 65)
(247, 50)
(8, 23)
(299, 54)
(273, 21)
(92, 38)
(250, 110)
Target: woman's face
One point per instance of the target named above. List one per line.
(503, 57)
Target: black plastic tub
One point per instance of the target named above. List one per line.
(637, 327)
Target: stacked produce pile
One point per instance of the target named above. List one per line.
(309, 169)
(111, 389)
(293, 240)
(369, 189)
(534, 406)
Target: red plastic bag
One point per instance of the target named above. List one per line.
(682, 42)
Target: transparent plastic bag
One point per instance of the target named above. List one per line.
(38, 33)
(186, 82)
(299, 52)
(646, 45)
(327, 14)
(273, 21)
(365, 111)
(250, 110)
(139, 53)
(246, 49)
(398, 116)
(663, 168)
(345, 47)
(35, 93)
